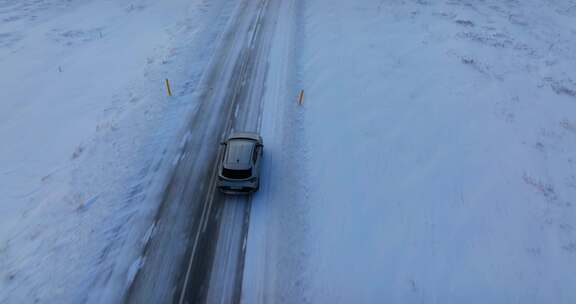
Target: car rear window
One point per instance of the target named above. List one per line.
(237, 174)
(239, 151)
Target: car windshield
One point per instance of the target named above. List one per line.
(237, 174)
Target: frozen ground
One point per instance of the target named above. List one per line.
(433, 160)
(87, 136)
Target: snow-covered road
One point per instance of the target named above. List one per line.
(211, 237)
(225, 284)
(188, 219)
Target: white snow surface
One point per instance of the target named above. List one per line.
(433, 160)
(87, 136)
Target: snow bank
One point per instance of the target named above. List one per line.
(441, 151)
(87, 136)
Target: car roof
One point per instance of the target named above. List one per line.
(238, 154)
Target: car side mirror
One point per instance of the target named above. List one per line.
(222, 143)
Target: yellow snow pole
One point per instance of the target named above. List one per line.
(168, 87)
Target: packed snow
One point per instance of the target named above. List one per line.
(433, 159)
(87, 136)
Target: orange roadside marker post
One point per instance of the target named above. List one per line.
(168, 90)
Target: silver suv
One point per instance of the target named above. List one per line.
(239, 170)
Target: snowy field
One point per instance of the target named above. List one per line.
(87, 136)
(435, 153)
